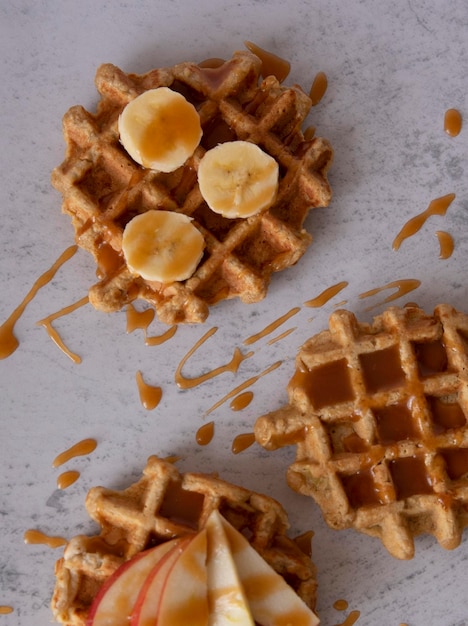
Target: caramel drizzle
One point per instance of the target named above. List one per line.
(52, 332)
(141, 320)
(272, 65)
(232, 366)
(83, 447)
(446, 244)
(282, 336)
(438, 206)
(402, 287)
(318, 89)
(66, 479)
(242, 442)
(452, 122)
(243, 386)
(326, 295)
(37, 537)
(242, 401)
(340, 605)
(351, 619)
(8, 342)
(150, 396)
(272, 327)
(5, 609)
(205, 434)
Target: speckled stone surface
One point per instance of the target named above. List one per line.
(393, 70)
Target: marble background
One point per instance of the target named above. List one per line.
(393, 70)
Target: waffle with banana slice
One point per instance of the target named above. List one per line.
(104, 188)
(379, 413)
(162, 505)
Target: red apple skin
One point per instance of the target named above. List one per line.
(152, 553)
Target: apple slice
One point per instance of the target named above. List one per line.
(146, 607)
(184, 597)
(114, 602)
(227, 601)
(272, 601)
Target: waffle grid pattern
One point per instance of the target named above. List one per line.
(162, 505)
(103, 188)
(379, 416)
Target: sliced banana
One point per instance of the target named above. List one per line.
(162, 246)
(238, 179)
(160, 129)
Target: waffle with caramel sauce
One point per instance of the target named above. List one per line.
(103, 188)
(378, 413)
(162, 505)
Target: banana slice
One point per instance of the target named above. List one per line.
(162, 246)
(238, 179)
(160, 129)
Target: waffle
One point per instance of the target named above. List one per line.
(103, 188)
(379, 416)
(162, 505)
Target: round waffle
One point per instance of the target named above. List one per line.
(162, 505)
(103, 188)
(379, 416)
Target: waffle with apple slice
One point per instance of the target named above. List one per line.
(176, 544)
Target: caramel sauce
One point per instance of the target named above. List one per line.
(272, 65)
(382, 369)
(446, 415)
(52, 332)
(108, 260)
(326, 295)
(340, 605)
(326, 384)
(243, 386)
(304, 542)
(241, 401)
(66, 479)
(318, 88)
(99, 545)
(150, 396)
(431, 357)
(452, 122)
(351, 619)
(182, 506)
(438, 206)
(138, 319)
(282, 336)
(402, 287)
(5, 609)
(8, 341)
(456, 462)
(242, 442)
(309, 133)
(446, 244)
(272, 327)
(37, 537)
(231, 366)
(205, 434)
(82, 448)
(395, 423)
(410, 477)
(361, 489)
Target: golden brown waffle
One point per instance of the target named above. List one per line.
(103, 188)
(162, 505)
(379, 416)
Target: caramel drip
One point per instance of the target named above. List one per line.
(452, 122)
(326, 295)
(150, 396)
(54, 335)
(232, 366)
(446, 244)
(141, 320)
(67, 479)
(243, 386)
(241, 401)
(82, 448)
(205, 434)
(8, 341)
(272, 327)
(340, 605)
(351, 619)
(5, 609)
(282, 336)
(309, 133)
(318, 89)
(438, 206)
(242, 442)
(37, 537)
(272, 65)
(304, 542)
(402, 287)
